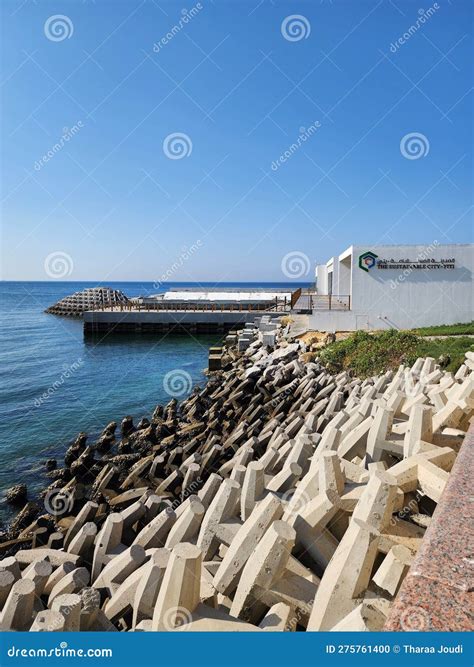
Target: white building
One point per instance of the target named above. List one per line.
(394, 286)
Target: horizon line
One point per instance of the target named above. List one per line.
(178, 282)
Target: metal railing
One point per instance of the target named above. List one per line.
(310, 301)
(277, 305)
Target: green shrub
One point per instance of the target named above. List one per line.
(369, 354)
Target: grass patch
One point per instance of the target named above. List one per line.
(452, 349)
(446, 330)
(369, 354)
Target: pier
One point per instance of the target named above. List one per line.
(188, 311)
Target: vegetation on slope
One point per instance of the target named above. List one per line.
(371, 353)
(452, 348)
(446, 330)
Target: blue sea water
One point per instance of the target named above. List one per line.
(95, 380)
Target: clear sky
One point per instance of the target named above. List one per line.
(242, 82)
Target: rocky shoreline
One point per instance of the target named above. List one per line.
(277, 497)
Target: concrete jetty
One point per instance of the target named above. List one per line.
(189, 311)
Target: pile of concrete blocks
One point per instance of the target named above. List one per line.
(278, 498)
(89, 299)
(269, 330)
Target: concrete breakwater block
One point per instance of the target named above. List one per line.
(215, 358)
(89, 299)
(278, 497)
(269, 339)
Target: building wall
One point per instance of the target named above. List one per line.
(335, 276)
(345, 277)
(404, 299)
(322, 279)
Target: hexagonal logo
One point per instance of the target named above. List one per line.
(367, 260)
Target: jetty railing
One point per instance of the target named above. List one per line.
(276, 306)
(307, 302)
(310, 301)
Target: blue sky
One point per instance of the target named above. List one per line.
(242, 90)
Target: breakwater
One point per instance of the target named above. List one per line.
(279, 497)
(114, 376)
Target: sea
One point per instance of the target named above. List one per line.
(55, 383)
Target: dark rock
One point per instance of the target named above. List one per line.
(81, 440)
(110, 428)
(170, 410)
(60, 473)
(24, 517)
(124, 447)
(105, 442)
(57, 484)
(158, 412)
(81, 468)
(124, 461)
(75, 449)
(127, 426)
(143, 447)
(17, 495)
